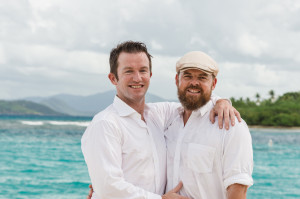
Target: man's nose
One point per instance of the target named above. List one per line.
(137, 77)
(194, 82)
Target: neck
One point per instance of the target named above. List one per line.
(138, 106)
(186, 116)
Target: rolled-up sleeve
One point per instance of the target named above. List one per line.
(102, 149)
(237, 156)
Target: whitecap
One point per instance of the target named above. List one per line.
(69, 123)
(32, 123)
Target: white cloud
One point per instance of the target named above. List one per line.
(156, 46)
(2, 55)
(56, 46)
(251, 45)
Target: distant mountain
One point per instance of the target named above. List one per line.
(83, 105)
(22, 107)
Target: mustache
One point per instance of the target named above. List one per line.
(194, 87)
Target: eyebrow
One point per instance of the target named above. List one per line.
(188, 73)
(129, 67)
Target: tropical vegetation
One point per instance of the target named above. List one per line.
(283, 111)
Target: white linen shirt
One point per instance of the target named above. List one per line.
(126, 157)
(205, 158)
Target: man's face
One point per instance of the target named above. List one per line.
(134, 77)
(194, 88)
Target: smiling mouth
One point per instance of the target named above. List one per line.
(193, 91)
(137, 86)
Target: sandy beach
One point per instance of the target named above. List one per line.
(274, 129)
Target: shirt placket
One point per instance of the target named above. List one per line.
(154, 153)
(155, 160)
(177, 155)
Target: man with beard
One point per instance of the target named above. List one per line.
(212, 163)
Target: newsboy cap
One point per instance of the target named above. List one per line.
(197, 60)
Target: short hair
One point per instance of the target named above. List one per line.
(128, 47)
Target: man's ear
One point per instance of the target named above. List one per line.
(150, 74)
(112, 78)
(177, 80)
(214, 84)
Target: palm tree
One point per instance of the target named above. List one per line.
(257, 98)
(272, 94)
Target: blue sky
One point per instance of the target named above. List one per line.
(62, 46)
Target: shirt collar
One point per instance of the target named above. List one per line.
(199, 112)
(122, 108)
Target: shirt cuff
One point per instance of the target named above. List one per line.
(215, 98)
(242, 178)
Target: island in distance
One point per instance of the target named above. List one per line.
(63, 104)
(281, 111)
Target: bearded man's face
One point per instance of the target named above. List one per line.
(194, 88)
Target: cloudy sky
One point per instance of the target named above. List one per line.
(49, 47)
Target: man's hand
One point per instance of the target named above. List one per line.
(224, 111)
(172, 194)
(89, 196)
(237, 191)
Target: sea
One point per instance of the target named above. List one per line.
(40, 157)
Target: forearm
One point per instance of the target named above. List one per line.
(237, 191)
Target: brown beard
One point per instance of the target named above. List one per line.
(192, 103)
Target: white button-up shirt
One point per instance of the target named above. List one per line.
(205, 158)
(126, 157)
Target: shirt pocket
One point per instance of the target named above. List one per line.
(200, 158)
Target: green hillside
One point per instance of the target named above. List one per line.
(284, 111)
(22, 107)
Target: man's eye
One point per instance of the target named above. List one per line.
(203, 78)
(128, 71)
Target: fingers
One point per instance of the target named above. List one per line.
(232, 116)
(177, 188)
(212, 116)
(90, 192)
(226, 118)
(220, 119)
(238, 115)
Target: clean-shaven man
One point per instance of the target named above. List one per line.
(124, 146)
(212, 163)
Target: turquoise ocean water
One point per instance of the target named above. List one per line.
(41, 158)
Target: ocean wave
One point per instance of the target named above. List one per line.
(57, 123)
(33, 123)
(69, 123)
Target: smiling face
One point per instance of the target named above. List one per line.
(133, 77)
(194, 88)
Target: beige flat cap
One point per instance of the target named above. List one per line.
(197, 60)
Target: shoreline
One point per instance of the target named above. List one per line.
(274, 127)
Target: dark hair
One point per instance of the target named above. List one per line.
(128, 47)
